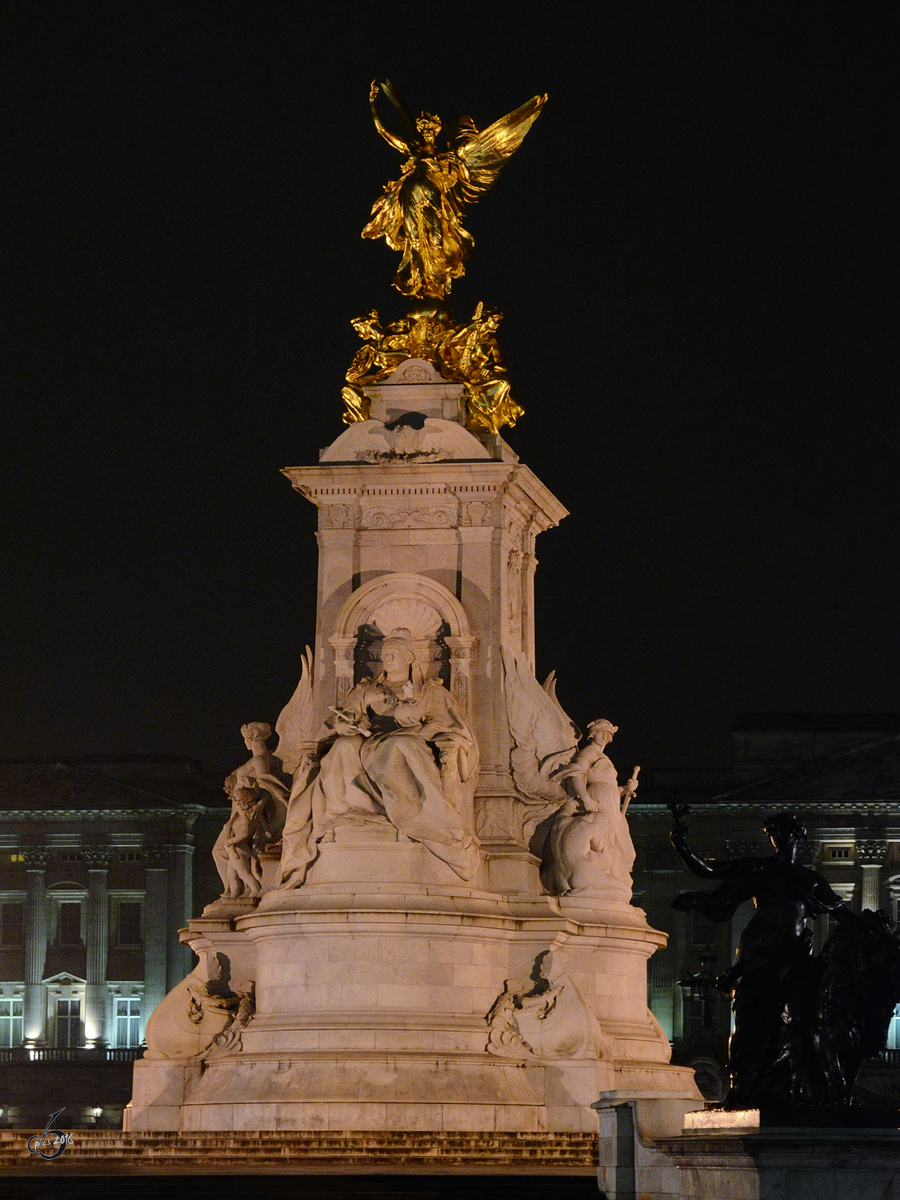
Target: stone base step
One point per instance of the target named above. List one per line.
(308, 1152)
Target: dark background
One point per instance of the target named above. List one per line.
(696, 253)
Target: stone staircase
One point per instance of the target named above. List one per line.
(112, 1152)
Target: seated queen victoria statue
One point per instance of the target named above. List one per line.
(401, 751)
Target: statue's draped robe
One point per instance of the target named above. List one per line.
(582, 847)
(392, 773)
(419, 215)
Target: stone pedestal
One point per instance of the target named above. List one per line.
(371, 1007)
(726, 1156)
(390, 994)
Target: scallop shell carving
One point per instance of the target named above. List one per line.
(417, 616)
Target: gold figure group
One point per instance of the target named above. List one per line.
(466, 354)
(420, 215)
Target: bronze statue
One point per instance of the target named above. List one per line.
(467, 354)
(471, 355)
(802, 1025)
(420, 214)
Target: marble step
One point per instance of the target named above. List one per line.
(570, 1153)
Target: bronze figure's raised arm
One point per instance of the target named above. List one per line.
(420, 214)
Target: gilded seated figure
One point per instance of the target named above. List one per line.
(389, 736)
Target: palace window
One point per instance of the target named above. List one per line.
(11, 1016)
(703, 932)
(69, 924)
(12, 923)
(128, 1021)
(128, 925)
(68, 1023)
(71, 856)
(11, 856)
(130, 856)
(839, 852)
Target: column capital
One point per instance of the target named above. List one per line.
(155, 858)
(97, 858)
(38, 858)
(871, 852)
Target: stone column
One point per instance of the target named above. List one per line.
(529, 566)
(343, 665)
(461, 649)
(96, 992)
(36, 862)
(871, 855)
(661, 967)
(180, 910)
(156, 863)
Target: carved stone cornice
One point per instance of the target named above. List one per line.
(187, 813)
(871, 852)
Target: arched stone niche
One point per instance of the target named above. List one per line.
(432, 614)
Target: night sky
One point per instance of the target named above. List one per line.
(696, 253)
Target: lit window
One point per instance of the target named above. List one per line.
(70, 924)
(129, 924)
(11, 856)
(11, 1013)
(839, 852)
(68, 1022)
(128, 1021)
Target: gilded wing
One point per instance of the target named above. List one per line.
(294, 726)
(486, 152)
(544, 735)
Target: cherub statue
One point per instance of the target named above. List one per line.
(264, 771)
(470, 355)
(246, 832)
(420, 214)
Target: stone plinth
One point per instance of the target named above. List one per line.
(372, 1005)
(802, 1164)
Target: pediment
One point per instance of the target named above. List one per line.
(62, 787)
(65, 979)
(869, 772)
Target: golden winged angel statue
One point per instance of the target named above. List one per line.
(420, 214)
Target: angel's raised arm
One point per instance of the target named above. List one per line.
(391, 138)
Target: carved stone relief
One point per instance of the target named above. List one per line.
(549, 1020)
(409, 516)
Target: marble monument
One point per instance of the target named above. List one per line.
(426, 918)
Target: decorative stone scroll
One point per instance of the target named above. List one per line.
(549, 1020)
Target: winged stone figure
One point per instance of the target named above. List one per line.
(545, 737)
(295, 725)
(420, 214)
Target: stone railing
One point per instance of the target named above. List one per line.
(23, 1055)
